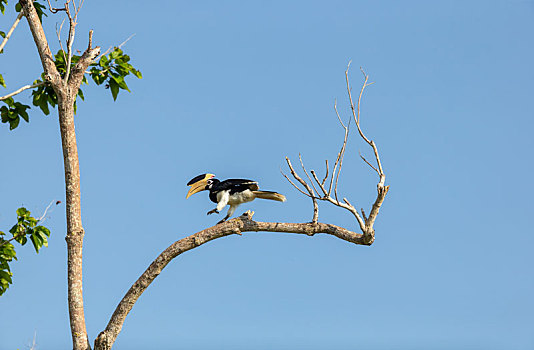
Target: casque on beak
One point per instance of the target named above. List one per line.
(198, 184)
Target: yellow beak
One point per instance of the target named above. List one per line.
(199, 186)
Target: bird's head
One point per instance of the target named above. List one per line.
(200, 183)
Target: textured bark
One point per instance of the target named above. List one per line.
(47, 59)
(66, 93)
(105, 339)
(75, 230)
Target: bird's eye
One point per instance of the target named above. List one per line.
(209, 182)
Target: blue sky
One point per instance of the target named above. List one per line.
(232, 88)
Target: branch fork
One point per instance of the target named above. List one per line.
(329, 193)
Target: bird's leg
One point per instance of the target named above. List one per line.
(230, 212)
(223, 220)
(212, 211)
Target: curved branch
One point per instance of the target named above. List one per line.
(238, 225)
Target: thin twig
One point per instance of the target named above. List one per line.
(342, 152)
(356, 116)
(70, 40)
(291, 182)
(8, 35)
(318, 183)
(365, 160)
(54, 10)
(308, 188)
(125, 41)
(338, 117)
(326, 175)
(43, 217)
(305, 172)
(58, 33)
(25, 87)
(109, 49)
(363, 214)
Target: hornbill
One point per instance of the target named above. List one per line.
(231, 191)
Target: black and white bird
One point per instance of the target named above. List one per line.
(232, 192)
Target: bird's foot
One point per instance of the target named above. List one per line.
(212, 211)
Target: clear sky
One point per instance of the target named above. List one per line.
(231, 88)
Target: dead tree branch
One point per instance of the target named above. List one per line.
(310, 193)
(239, 225)
(365, 223)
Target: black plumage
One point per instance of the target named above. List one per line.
(232, 185)
(232, 192)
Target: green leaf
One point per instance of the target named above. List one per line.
(7, 253)
(104, 61)
(23, 212)
(2, 81)
(136, 73)
(120, 81)
(43, 230)
(13, 123)
(18, 7)
(80, 93)
(114, 87)
(2, 34)
(37, 242)
(2, 6)
(21, 239)
(6, 276)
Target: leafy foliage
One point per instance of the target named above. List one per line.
(112, 69)
(26, 227)
(2, 81)
(13, 112)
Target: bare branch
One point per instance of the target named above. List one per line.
(306, 172)
(55, 10)
(291, 182)
(125, 41)
(25, 87)
(8, 35)
(308, 188)
(58, 33)
(238, 225)
(43, 217)
(365, 223)
(77, 9)
(70, 40)
(356, 116)
(338, 117)
(321, 186)
(326, 173)
(371, 165)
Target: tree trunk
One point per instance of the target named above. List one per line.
(75, 230)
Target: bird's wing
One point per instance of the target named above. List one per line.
(238, 185)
